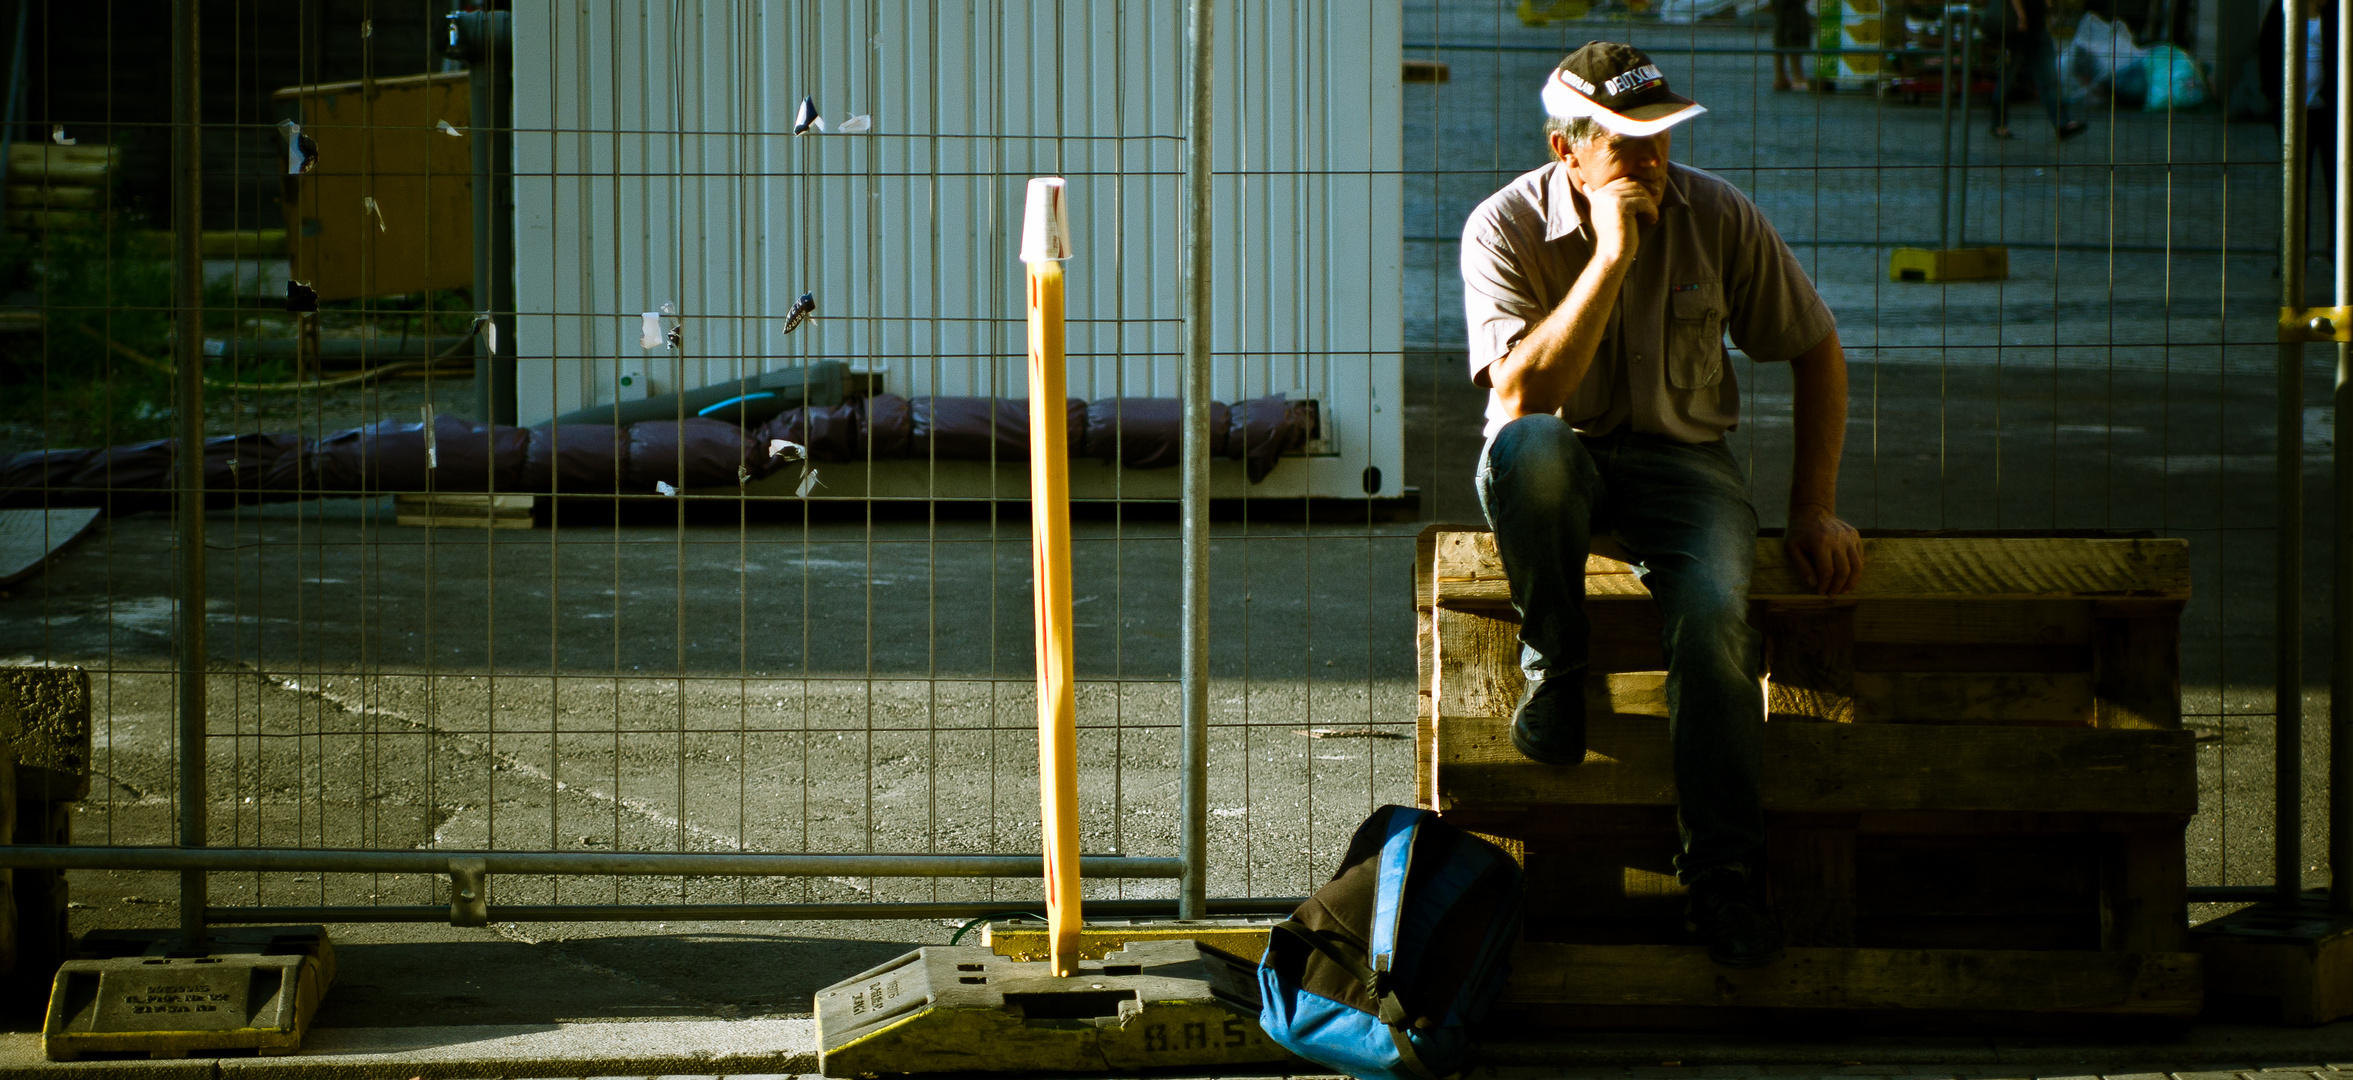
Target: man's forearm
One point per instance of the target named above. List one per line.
(1546, 367)
(1820, 420)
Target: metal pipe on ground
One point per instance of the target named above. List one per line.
(192, 860)
(433, 913)
(2288, 584)
(188, 356)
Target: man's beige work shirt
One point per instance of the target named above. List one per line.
(1711, 263)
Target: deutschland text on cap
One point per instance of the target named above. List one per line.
(1619, 88)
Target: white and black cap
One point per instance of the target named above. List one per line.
(1619, 88)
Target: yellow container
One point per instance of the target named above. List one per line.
(1950, 264)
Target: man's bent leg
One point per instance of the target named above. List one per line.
(1538, 486)
(1683, 511)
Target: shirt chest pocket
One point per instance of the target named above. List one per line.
(1695, 335)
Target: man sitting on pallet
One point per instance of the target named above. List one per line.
(1598, 290)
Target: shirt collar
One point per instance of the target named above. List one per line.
(1564, 215)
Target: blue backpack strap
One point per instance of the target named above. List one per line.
(1404, 826)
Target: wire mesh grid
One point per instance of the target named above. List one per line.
(740, 667)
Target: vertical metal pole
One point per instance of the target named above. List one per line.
(1968, 54)
(16, 74)
(188, 364)
(2340, 743)
(2288, 601)
(1193, 761)
(485, 41)
(1944, 104)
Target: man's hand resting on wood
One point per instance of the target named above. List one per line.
(1827, 552)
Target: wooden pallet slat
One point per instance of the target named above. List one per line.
(1468, 570)
(1840, 767)
(1989, 980)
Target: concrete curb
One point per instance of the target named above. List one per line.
(695, 1047)
(789, 1047)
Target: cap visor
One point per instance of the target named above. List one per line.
(1648, 119)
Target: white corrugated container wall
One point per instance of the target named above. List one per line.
(655, 163)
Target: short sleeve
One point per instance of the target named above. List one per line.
(1499, 302)
(1776, 314)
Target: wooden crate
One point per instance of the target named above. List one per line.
(388, 205)
(1974, 763)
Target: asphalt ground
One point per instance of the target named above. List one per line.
(671, 677)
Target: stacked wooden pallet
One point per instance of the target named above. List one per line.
(51, 186)
(1976, 786)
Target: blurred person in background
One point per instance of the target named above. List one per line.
(2320, 101)
(2030, 57)
(1793, 28)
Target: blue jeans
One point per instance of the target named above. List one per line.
(1681, 510)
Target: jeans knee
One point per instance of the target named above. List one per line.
(1538, 460)
(1713, 630)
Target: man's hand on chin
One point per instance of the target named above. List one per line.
(1827, 552)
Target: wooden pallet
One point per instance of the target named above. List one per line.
(457, 510)
(1974, 763)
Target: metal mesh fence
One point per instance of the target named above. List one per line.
(834, 656)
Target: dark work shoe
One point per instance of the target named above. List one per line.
(1724, 916)
(1549, 725)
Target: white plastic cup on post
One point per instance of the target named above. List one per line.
(1045, 222)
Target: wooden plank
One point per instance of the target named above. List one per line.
(462, 510)
(2154, 984)
(1975, 622)
(1477, 665)
(2145, 891)
(2138, 665)
(1810, 662)
(1907, 568)
(1425, 646)
(1945, 656)
(1811, 865)
(1841, 767)
(1998, 697)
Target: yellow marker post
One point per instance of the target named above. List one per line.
(1045, 242)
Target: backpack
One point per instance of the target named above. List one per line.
(1381, 973)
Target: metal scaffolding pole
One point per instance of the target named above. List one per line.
(1193, 760)
(2340, 773)
(2288, 598)
(188, 363)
